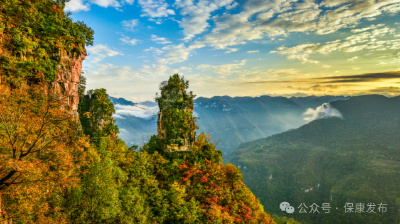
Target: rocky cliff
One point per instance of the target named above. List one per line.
(67, 79)
(40, 43)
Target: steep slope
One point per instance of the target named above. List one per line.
(351, 160)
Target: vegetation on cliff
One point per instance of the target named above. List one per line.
(35, 35)
(176, 125)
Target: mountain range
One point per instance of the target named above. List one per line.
(229, 120)
(352, 159)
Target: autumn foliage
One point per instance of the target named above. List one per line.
(39, 155)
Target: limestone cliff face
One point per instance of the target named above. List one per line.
(69, 70)
(66, 82)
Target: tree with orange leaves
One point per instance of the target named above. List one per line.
(38, 154)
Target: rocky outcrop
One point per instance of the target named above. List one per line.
(67, 80)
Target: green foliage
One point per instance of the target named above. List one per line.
(96, 111)
(284, 220)
(176, 123)
(37, 32)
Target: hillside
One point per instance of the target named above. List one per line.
(229, 120)
(332, 160)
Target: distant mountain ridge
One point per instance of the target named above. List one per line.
(229, 120)
(354, 159)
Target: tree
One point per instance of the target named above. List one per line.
(39, 153)
(96, 111)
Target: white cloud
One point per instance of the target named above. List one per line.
(130, 2)
(353, 43)
(76, 5)
(100, 52)
(252, 51)
(156, 50)
(279, 17)
(231, 6)
(159, 40)
(367, 28)
(137, 111)
(157, 21)
(353, 58)
(155, 70)
(106, 3)
(225, 69)
(130, 24)
(196, 14)
(303, 58)
(323, 111)
(129, 41)
(155, 8)
(178, 53)
(118, 116)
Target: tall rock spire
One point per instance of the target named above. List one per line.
(176, 124)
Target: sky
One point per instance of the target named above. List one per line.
(242, 47)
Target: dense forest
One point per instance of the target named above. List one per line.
(354, 159)
(61, 164)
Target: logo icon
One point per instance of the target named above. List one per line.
(285, 206)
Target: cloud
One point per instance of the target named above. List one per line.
(252, 51)
(155, 8)
(178, 53)
(323, 111)
(76, 5)
(260, 19)
(101, 51)
(231, 6)
(316, 88)
(155, 70)
(159, 40)
(137, 111)
(196, 14)
(118, 117)
(106, 3)
(155, 50)
(225, 69)
(271, 76)
(353, 43)
(303, 58)
(368, 77)
(129, 41)
(367, 28)
(130, 24)
(353, 58)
